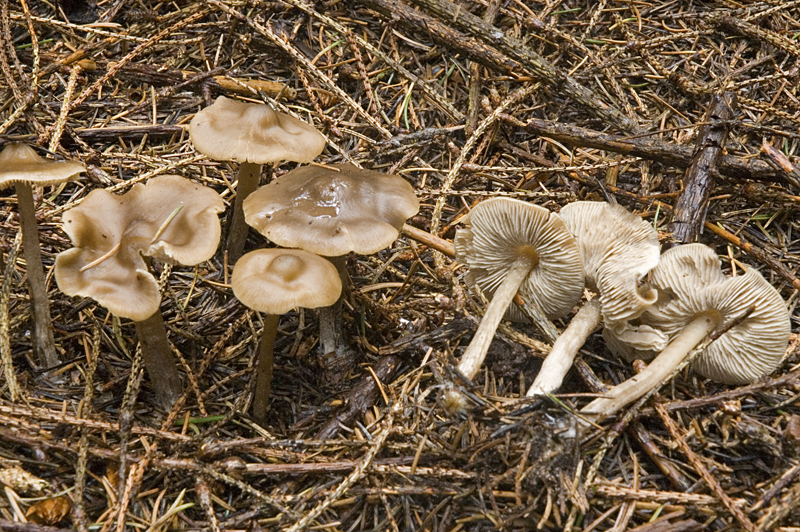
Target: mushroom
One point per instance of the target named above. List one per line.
(275, 281)
(618, 249)
(252, 134)
(511, 246)
(694, 299)
(332, 211)
(170, 219)
(21, 166)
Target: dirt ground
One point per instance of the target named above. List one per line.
(545, 101)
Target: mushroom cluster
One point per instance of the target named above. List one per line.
(169, 219)
(694, 299)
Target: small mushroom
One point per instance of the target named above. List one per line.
(512, 246)
(252, 134)
(170, 219)
(21, 166)
(694, 299)
(618, 249)
(332, 211)
(275, 281)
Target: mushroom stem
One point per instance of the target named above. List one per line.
(264, 364)
(473, 357)
(159, 360)
(330, 318)
(658, 370)
(44, 343)
(560, 359)
(247, 183)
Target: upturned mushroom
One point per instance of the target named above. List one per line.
(618, 248)
(511, 246)
(332, 211)
(253, 135)
(22, 167)
(275, 281)
(170, 219)
(694, 299)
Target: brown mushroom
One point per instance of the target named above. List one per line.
(252, 134)
(170, 219)
(275, 281)
(21, 166)
(332, 211)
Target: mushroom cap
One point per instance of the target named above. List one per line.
(499, 229)
(277, 280)
(332, 211)
(618, 249)
(230, 130)
(19, 163)
(689, 281)
(170, 219)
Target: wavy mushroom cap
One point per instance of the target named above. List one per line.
(230, 130)
(499, 230)
(689, 282)
(19, 163)
(332, 211)
(618, 249)
(170, 219)
(277, 280)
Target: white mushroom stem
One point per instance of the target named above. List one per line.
(247, 183)
(44, 343)
(264, 364)
(560, 359)
(473, 357)
(658, 370)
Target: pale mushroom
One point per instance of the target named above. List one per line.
(275, 281)
(252, 134)
(618, 248)
(512, 246)
(694, 299)
(170, 219)
(21, 166)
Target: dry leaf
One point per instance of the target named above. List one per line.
(49, 511)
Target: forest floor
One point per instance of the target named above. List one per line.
(467, 102)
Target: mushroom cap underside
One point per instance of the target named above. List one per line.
(500, 229)
(230, 130)
(19, 163)
(332, 211)
(170, 219)
(277, 280)
(689, 282)
(618, 249)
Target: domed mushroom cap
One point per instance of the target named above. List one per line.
(689, 281)
(230, 130)
(19, 163)
(277, 280)
(618, 249)
(170, 218)
(499, 230)
(332, 211)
